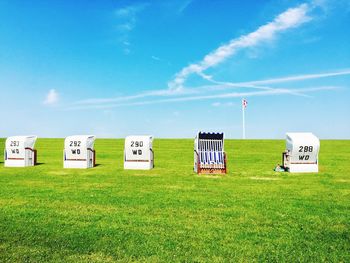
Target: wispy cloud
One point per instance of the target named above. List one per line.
(184, 5)
(52, 97)
(257, 84)
(292, 18)
(204, 97)
(219, 86)
(126, 22)
(300, 77)
(155, 93)
(130, 11)
(177, 92)
(221, 104)
(155, 58)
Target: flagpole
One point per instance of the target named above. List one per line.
(243, 120)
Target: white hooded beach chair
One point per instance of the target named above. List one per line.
(79, 152)
(138, 152)
(301, 155)
(20, 152)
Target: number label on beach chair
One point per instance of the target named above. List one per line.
(301, 155)
(19, 151)
(79, 151)
(138, 153)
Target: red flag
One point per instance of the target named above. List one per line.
(244, 103)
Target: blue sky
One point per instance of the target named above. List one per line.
(172, 68)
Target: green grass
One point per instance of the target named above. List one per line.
(106, 214)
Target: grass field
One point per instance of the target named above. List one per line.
(106, 214)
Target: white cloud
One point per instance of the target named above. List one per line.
(126, 22)
(155, 93)
(216, 104)
(291, 18)
(125, 27)
(155, 58)
(206, 97)
(299, 77)
(228, 95)
(176, 92)
(184, 5)
(129, 12)
(51, 98)
(220, 104)
(255, 84)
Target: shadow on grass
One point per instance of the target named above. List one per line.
(98, 164)
(39, 164)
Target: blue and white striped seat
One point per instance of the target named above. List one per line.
(209, 151)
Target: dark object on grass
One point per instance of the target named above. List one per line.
(279, 168)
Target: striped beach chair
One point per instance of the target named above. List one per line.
(209, 155)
